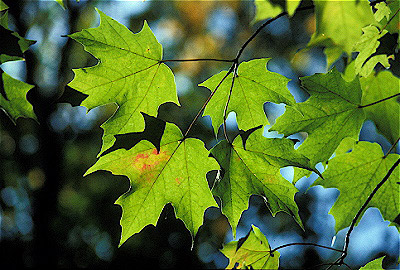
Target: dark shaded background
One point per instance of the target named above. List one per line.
(51, 215)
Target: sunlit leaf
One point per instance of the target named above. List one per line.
(254, 85)
(331, 114)
(253, 251)
(14, 103)
(256, 170)
(129, 73)
(356, 174)
(369, 42)
(176, 174)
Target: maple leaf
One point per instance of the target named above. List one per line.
(253, 86)
(374, 265)
(129, 73)
(331, 114)
(356, 174)
(268, 9)
(256, 170)
(385, 114)
(176, 174)
(382, 11)
(252, 251)
(369, 42)
(338, 25)
(14, 101)
(377, 87)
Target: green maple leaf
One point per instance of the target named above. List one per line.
(13, 97)
(255, 170)
(369, 42)
(176, 174)
(253, 251)
(376, 87)
(339, 24)
(382, 11)
(373, 265)
(331, 114)
(385, 114)
(267, 9)
(129, 73)
(356, 174)
(253, 86)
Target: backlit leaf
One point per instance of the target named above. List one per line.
(385, 114)
(251, 252)
(356, 174)
(369, 42)
(253, 86)
(256, 170)
(129, 73)
(331, 114)
(14, 101)
(176, 174)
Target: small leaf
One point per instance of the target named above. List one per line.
(129, 73)
(369, 42)
(356, 174)
(251, 252)
(253, 86)
(382, 11)
(13, 98)
(341, 22)
(3, 6)
(374, 265)
(268, 9)
(256, 170)
(176, 174)
(331, 114)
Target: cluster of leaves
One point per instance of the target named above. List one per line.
(12, 91)
(172, 168)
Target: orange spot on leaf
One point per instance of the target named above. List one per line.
(149, 163)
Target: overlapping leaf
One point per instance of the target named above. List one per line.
(378, 87)
(255, 170)
(385, 114)
(356, 174)
(268, 9)
(253, 86)
(339, 24)
(331, 114)
(369, 42)
(251, 252)
(12, 91)
(176, 174)
(129, 73)
(14, 103)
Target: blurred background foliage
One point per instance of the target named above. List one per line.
(51, 215)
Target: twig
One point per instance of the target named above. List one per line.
(197, 60)
(379, 101)
(340, 260)
(391, 148)
(235, 66)
(304, 244)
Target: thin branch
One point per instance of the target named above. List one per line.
(391, 148)
(206, 102)
(305, 244)
(198, 60)
(357, 216)
(379, 101)
(394, 15)
(264, 25)
(235, 66)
